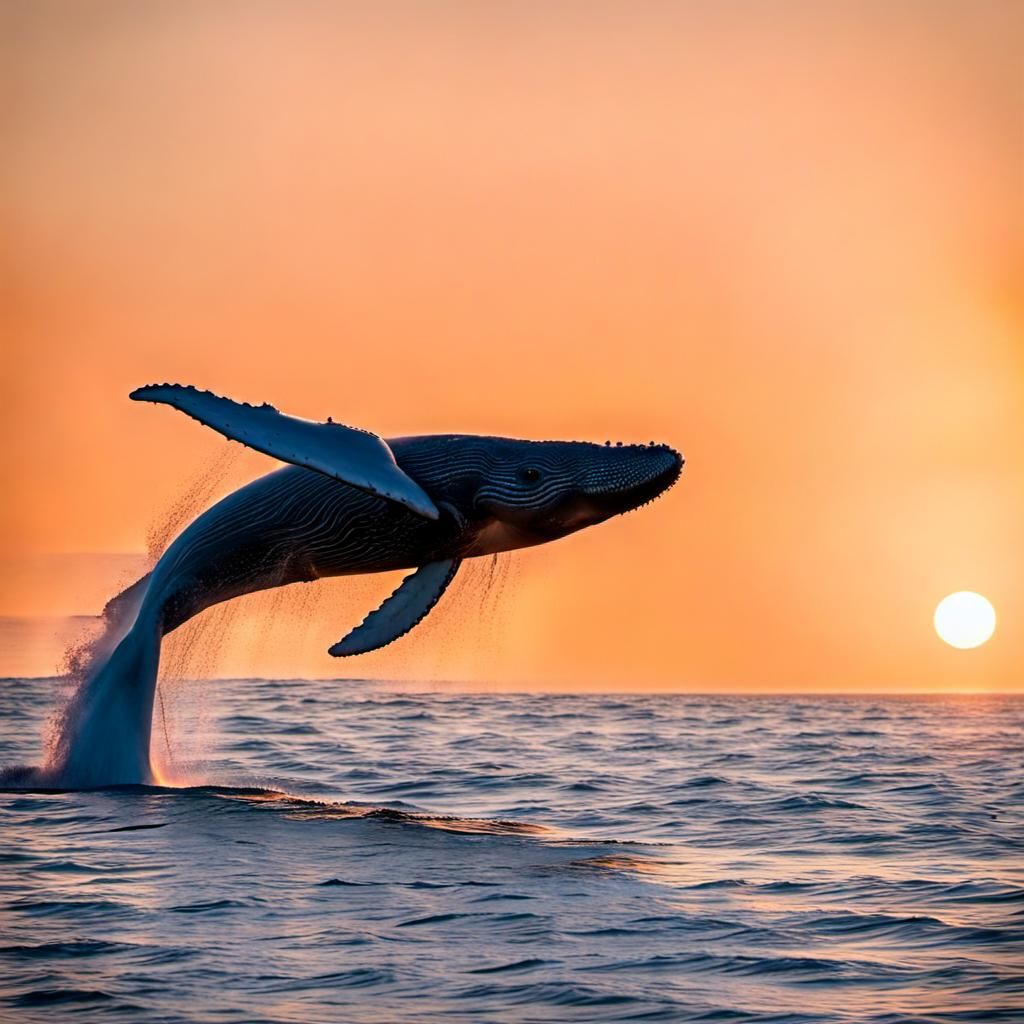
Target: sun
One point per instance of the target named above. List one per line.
(965, 619)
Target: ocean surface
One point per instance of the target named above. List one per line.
(363, 852)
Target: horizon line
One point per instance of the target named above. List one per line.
(467, 686)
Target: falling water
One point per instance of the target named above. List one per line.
(87, 656)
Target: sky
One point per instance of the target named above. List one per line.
(786, 238)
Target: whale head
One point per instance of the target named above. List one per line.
(514, 493)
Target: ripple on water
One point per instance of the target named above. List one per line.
(374, 856)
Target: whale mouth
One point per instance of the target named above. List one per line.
(655, 470)
(660, 481)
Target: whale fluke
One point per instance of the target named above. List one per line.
(349, 454)
(399, 613)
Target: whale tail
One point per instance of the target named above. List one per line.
(102, 735)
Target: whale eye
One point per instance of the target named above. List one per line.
(530, 475)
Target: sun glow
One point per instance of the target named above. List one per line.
(965, 619)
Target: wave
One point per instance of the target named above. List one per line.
(490, 857)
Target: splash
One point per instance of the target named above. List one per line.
(103, 662)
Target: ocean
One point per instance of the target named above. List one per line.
(363, 852)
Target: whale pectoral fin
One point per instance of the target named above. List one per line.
(403, 610)
(353, 456)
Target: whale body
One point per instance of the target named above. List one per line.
(349, 502)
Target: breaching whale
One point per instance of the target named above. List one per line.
(348, 502)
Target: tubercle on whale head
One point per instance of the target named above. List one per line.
(516, 493)
(617, 479)
(634, 476)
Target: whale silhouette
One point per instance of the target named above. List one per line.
(348, 502)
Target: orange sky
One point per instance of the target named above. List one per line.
(784, 240)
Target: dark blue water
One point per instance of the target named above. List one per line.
(350, 852)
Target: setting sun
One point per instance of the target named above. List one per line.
(965, 619)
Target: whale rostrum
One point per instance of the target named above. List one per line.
(347, 502)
